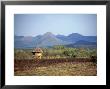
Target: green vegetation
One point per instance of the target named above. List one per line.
(56, 61)
(57, 52)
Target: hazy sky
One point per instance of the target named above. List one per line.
(38, 24)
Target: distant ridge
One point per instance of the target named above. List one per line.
(49, 39)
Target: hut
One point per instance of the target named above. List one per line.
(37, 52)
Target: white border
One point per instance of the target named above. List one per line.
(100, 79)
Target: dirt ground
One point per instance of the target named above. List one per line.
(55, 67)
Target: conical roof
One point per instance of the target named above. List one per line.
(38, 50)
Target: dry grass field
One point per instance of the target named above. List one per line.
(58, 67)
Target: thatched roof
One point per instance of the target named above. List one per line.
(38, 50)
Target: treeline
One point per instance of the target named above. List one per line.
(57, 52)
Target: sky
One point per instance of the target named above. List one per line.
(65, 24)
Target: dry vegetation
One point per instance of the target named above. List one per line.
(55, 68)
(56, 61)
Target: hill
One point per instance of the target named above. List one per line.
(49, 39)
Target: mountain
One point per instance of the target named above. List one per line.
(84, 44)
(62, 37)
(49, 39)
(23, 41)
(45, 40)
(74, 37)
(18, 38)
(90, 38)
